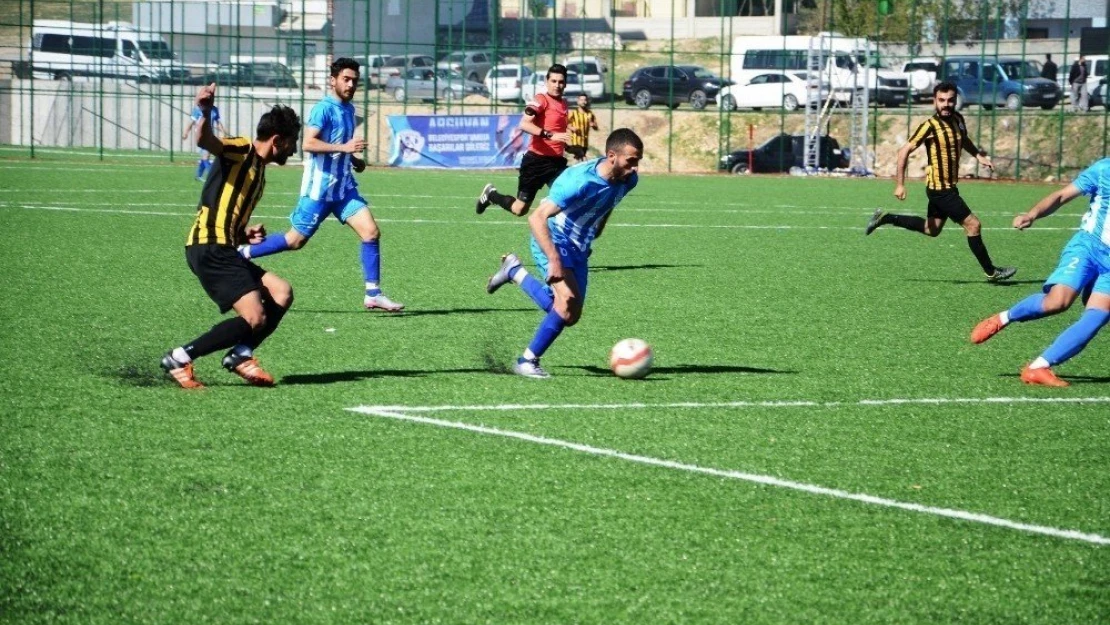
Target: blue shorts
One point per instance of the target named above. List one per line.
(309, 213)
(572, 258)
(1084, 261)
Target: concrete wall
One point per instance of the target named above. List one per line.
(118, 115)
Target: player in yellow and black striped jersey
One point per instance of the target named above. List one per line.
(579, 123)
(944, 136)
(231, 192)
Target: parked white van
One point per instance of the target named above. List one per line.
(844, 63)
(65, 49)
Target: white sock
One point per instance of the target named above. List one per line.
(518, 275)
(528, 355)
(1039, 363)
(180, 355)
(373, 286)
(1004, 317)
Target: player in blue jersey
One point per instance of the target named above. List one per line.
(204, 160)
(328, 186)
(1084, 268)
(563, 230)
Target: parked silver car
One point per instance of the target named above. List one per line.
(428, 84)
(474, 64)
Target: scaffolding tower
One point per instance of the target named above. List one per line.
(821, 70)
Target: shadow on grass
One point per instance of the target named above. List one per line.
(1074, 379)
(355, 376)
(691, 369)
(413, 313)
(1007, 284)
(637, 267)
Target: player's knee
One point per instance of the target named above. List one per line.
(255, 319)
(972, 226)
(282, 295)
(296, 243)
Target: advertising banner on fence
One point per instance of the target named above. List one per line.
(457, 141)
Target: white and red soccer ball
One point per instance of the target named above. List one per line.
(630, 358)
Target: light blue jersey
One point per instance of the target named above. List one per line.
(585, 199)
(213, 119)
(1095, 182)
(1085, 261)
(327, 177)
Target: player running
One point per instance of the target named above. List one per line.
(328, 186)
(1084, 267)
(563, 230)
(545, 118)
(231, 193)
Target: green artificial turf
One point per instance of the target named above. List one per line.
(784, 340)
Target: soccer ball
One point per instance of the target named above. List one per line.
(630, 358)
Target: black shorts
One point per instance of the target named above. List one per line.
(577, 151)
(947, 204)
(535, 172)
(225, 275)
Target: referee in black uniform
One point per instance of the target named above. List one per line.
(231, 192)
(944, 136)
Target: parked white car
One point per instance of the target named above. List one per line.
(537, 82)
(771, 89)
(504, 81)
(923, 77)
(591, 71)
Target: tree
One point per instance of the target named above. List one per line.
(959, 20)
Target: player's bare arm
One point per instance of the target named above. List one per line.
(206, 139)
(537, 221)
(314, 144)
(900, 170)
(1046, 206)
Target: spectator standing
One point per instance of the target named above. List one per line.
(1077, 78)
(1049, 69)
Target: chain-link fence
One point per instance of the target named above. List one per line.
(100, 76)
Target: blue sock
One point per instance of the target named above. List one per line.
(1028, 309)
(270, 245)
(538, 292)
(549, 330)
(371, 262)
(201, 167)
(1072, 340)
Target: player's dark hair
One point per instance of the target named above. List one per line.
(556, 69)
(281, 121)
(622, 137)
(342, 63)
(944, 87)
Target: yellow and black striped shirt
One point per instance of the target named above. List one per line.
(578, 122)
(233, 188)
(944, 139)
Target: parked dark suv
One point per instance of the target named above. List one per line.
(782, 152)
(252, 75)
(672, 85)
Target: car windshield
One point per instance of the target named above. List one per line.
(156, 50)
(584, 68)
(1016, 70)
(448, 74)
(454, 57)
(701, 72)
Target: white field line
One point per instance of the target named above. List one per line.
(77, 209)
(400, 413)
